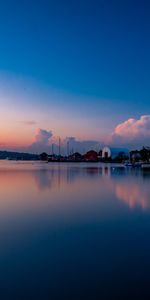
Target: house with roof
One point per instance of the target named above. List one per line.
(91, 156)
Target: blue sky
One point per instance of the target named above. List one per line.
(92, 55)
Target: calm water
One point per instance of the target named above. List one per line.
(74, 231)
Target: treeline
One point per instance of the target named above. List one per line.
(18, 156)
(143, 154)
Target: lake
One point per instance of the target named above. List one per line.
(74, 231)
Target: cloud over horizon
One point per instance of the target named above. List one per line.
(82, 146)
(134, 132)
(42, 141)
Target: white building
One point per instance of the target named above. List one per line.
(113, 153)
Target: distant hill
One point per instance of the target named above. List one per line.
(18, 156)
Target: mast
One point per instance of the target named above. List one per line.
(68, 148)
(52, 149)
(59, 146)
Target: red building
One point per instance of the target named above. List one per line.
(91, 156)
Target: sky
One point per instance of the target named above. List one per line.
(75, 69)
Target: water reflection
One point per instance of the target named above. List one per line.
(129, 185)
(74, 226)
(29, 181)
(133, 194)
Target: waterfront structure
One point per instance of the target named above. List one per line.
(113, 153)
(75, 157)
(44, 156)
(91, 156)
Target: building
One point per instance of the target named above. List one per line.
(91, 156)
(44, 156)
(75, 157)
(113, 153)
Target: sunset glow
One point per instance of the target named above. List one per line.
(59, 78)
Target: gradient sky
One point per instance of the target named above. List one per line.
(78, 68)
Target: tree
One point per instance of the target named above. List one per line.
(44, 156)
(145, 154)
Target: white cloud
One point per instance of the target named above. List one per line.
(82, 146)
(43, 136)
(42, 141)
(133, 131)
